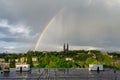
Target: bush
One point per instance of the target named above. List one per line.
(118, 66)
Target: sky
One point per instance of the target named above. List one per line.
(83, 24)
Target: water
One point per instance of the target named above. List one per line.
(61, 74)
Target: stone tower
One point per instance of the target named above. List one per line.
(66, 48)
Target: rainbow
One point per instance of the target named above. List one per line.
(45, 29)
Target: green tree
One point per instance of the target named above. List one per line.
(61, 63)
(44, 60)
(71, 64)
(12, 63)
(117, 66)
(107, 61)
(90, 60)
(7, 59)
(96, 62)
(99, 57)
(52, 65)
(29, 58)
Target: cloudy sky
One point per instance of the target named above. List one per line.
(84, 24)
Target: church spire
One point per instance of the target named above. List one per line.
(67, 47)
(64, 47)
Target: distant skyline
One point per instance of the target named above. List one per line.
(83, 24)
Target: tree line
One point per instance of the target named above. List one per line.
(79, 59)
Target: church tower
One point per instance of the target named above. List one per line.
(66, 48)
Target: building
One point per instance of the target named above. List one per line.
(16, 60)
(23, 60)
(69, 59)
(95, 67)
(2, 60)
(3, 65)
(34, 59)
(22, 67)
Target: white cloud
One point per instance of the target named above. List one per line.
(21, 29)
(15, 28)
(113, 2)
(9, 47)
(16, 49)
(85, 48)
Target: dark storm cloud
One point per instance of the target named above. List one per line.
(81, 23)
(4, 31)
(16, 40)
(34, 13)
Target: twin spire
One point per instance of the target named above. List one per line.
(66, 48)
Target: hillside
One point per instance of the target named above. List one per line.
(71, 59)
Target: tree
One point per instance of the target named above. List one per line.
(12, 63)
(29, 58)
(61, 63)
(107, 61)
(90, 60)
(6, 59)
(71, 64)
(52, 65)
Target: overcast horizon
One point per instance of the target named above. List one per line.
(83, 24)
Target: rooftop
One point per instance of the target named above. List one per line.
(61, 74)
